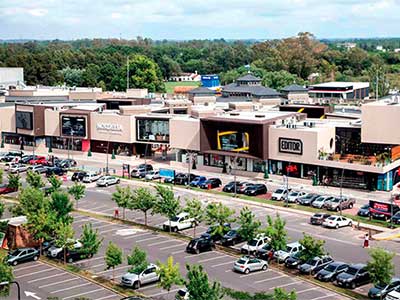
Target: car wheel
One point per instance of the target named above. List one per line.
(136, 285)
(233, 242)
(247, 271)
(353, 285)
(14, 263)
(351, 205)
(197, 251)
(70, 260)
(118, 181)
(350, 224)
(264, 267)
(337, 208)
(35, 258)
(337, 226)
(175, 229)
(106, 184)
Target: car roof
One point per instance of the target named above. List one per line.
(182, 214)
(294, 244)
(358, 266)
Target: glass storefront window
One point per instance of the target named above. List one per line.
(258, 166)
(153, 130)
(62, 143)
(217, 160)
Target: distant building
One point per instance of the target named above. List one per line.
(295, 93)
(11, 77)
(379, 48)
(348, 46)
(339, 90)
(397, 50)
(185, 77)
(202, 96)
(210, 81)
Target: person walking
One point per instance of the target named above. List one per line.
(116, 213)
(366, 241)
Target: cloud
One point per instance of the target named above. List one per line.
(37, 12)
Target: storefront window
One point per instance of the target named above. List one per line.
(258, 166)
(216, 160)
(73, 126)
(153, 130)
(63, 143)
(15, 139)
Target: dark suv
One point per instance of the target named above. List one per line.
(232, 237)
(184, 179)
(256, 189)
(78, 176)
(55, 171)
(355, 275)
(331, 271)
(315, 264)
(200, 244)
(319, 218)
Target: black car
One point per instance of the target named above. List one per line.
(266, 253)
(243, 186)
(78, 176)
(363, 211)
(172, 180)
(330, 271)
(22, 255)
(200, 244)
(396, 218)
(293, 261)
(315, 264)
(232, 237)
(67, 163)
(307, 199)
(55, 171)
(184, 179)
(211, 183)
(380, 291)
(73, 255)
(355, 275)
(210, 233)
(319, 218)
(230, 187)
(26, 159)
(11, 155)
(256, 189)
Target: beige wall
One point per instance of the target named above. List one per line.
(380, 123)
(7, 119)
(76, 95)
(52, 122)
(113, 127)
(185, 133)
(301, 97)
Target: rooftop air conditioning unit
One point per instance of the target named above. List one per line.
(235, 114)
(260, 116)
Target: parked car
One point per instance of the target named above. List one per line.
(382, 210)
(40, 169)
(56, 252)
(38, 160)
(26, 159)
(230, 187)
(293, 261)
(243, 186)
(294, 196)
(330, 272)
(47, 190)
(355, 275)
(320, 201)
(67, 163)
(279, 194)
(136, 280)
(307, 199)
(55, 171)
(247, 264)
(338, 203)
(396, 218)
(10, 156)
(231, 238)
(5, 189)
(363, 211)
(184, 179)
(91, 177)
(210, 232)
(73, 255)
(180, 222)
(141, 170)
(153, 175)
(172, 180)
(256, 189)
(78, 176)
(393, 295)
(22, 255)
(200, 244)
(252, 246)
(197, 181)
(17, 168)
(107, 180)
(211, 183)
(292, 248)
(380, 291)
(266, 252)
(336, 222)
(182, 294)
(319, 218)
(314, 265)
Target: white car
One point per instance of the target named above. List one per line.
(179, 222)
(17, 168)
(336, 222)
(291, 249)
(320, 201)
(153, 175)
(247, 264)
(295, 195)
(393, 295)
(38, 169)
(255, 244)
(91, 177)
(107, 180)
(279, 194)
(55, 251)
(136, 280)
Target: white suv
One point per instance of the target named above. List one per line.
(179, 222)
(91, 177)
(149, 275)
(252, 246)
(292, 248)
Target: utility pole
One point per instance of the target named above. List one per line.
(127, 72)
(341, 192)
(189, 158)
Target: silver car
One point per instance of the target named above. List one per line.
(149, 275)
(247, 264)
(107, 180)
(153, 175)
(38, 169)
(18, 168)
(320, 201)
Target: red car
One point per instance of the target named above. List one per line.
(4, 189)
(39, 160)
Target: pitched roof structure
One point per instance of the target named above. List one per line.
(248, 77)
(201, 90)
(256, 90)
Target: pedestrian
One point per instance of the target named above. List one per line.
(366, 241)
(116, 213)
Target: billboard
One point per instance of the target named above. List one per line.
(73, 126)
(167, 173)
(236, 141)
(24, 120)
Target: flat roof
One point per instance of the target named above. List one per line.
(341, 84)
(260, 116)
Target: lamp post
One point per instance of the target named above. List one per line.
(16, 283)
(189, 159)
(234, 174)
(338, 138)
(34, 142)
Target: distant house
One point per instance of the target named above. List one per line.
(380, 48)
(339, 90)
(185, 77)
(295, 93)
(11, 77)
(202, 96)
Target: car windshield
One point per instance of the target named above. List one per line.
(381, 286)
(288, 249)
(331, 219)
(320, 199)
(16, 252)
(365, 206)
(181, 293)
(352, 271)
(294, 193)
(335, 200)
(330, 268)
(267, 247)
(312, 261)
(317, 216)
(241, 261)
(230, 232)
(175, 219)
(279, 191)
(253, 242)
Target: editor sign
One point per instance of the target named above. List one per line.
(292, 146)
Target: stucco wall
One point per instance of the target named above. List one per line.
(52, 122)
(116, 128)
(7, 119)
(185, 133)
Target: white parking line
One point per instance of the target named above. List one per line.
(47, 277)
(106, 297)
(306, 290)
(137, 235)
(269, 279)
(148, 239)
(71, 287)
(152, 286)
(59, 282)
(104, 226)
(222, 264)
(162, 242)
(252, 274)
(172, 246)
(106, 231)
(210, 259)
(110, 270)
(81, 294)
(95, 266)
(176, 252)
(86, 260)
(30, 274)
(196, 255)
(86, 220)
(284, 285)
(28, 267)
(322, 297)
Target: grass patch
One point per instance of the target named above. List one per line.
(170, 85)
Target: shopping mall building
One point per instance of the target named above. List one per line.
(362, 153)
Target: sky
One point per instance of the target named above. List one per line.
(195, 19)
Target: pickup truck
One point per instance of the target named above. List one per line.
(338, 203)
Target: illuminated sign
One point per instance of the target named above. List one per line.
(292, 146)
(108, 127)
(236, 141)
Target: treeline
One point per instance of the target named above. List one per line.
(102, 62)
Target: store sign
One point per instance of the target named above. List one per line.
(292, 146)
(108, 127)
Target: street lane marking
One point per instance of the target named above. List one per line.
(32, 274)
(71, 287)
(269, 279)
(210, 259)
(252, 274)
(81, 294)
(223, 264)
(306, 290)
(59, 282)
(172, 246)
(284, 285)
(47, 277)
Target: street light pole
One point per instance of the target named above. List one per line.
(341, 192)
(16, 283)
(189, 157)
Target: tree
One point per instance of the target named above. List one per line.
(6, 274)
(218, 214)
(249, 226)
(195, 209)
(380, 266)
(55, 183)
(281, 294)
(279, 79)
(123, 198)
(169, 274)
(65, 237)
(30, 200)
(199, 287)
(113, 257)
(1, 176)
(90, 241)
(143, 200)
(2, 208)
(276, 231)
(14, 181)
(378, 75)
(167, 205)
(137, 261)
(77, 191)
(62, 206)
(42, 225)
(72, 77)
(34, 179)
(311, 247)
